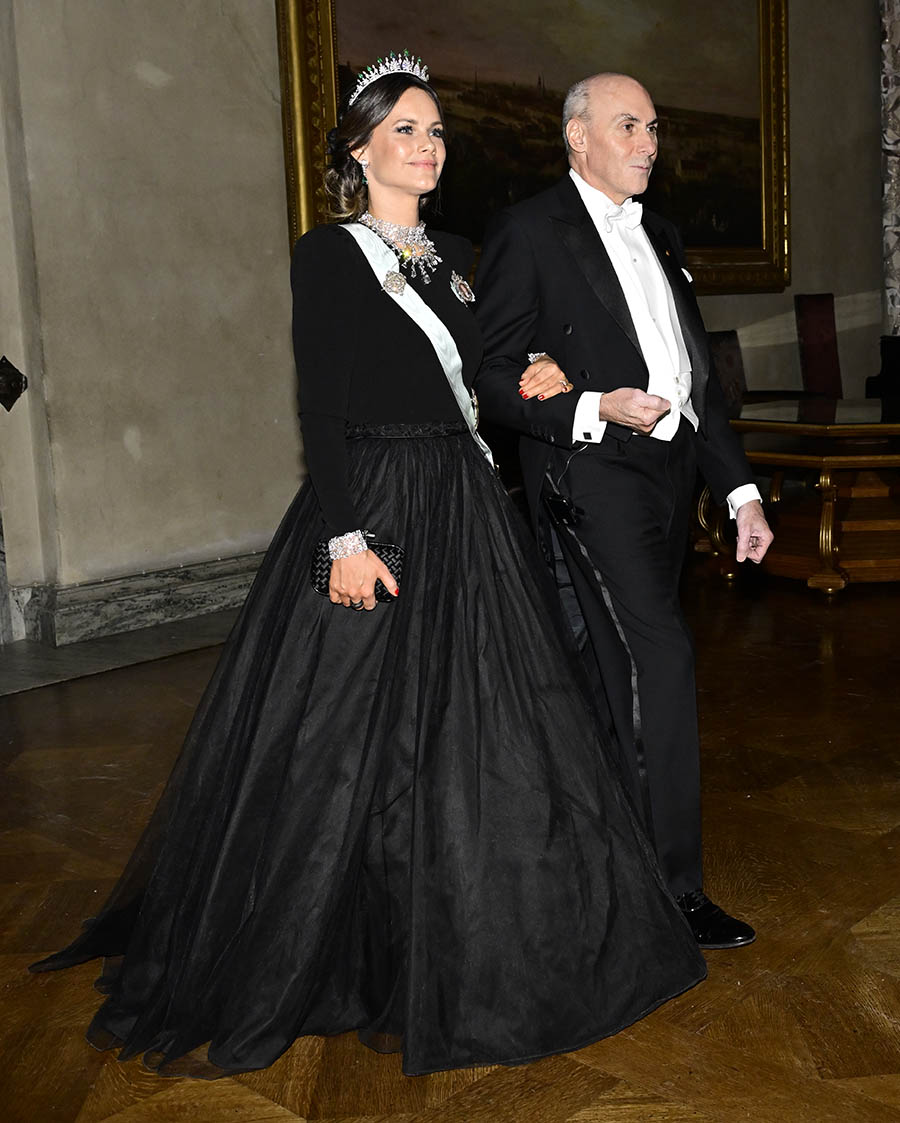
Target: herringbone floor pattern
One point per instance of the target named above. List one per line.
(800, 706)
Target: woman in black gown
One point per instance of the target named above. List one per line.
(400, 821)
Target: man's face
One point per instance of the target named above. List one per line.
(615, 149)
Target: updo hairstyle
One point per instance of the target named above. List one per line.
(348, 196)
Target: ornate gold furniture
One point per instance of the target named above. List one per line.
(834, 495)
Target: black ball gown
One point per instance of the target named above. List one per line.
(403, 822)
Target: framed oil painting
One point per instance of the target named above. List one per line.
(717, 71)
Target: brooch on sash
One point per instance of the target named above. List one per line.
(394, 283)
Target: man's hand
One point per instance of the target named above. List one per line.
(633, 408)
(753, 534)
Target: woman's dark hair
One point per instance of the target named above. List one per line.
(347, 194)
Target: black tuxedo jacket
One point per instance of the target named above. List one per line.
(546, 283)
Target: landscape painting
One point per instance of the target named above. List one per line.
(716, 70)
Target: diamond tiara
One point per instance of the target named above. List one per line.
(393, 64)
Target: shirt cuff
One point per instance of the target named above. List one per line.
(587, 426)
(746, 493)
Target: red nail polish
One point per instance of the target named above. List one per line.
(540, 397)
(397, 591)
(524, 395)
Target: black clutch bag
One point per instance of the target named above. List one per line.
(320, 570)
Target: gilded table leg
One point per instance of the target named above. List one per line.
(711, 517)
(830, 578)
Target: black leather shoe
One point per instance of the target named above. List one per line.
(713, 927)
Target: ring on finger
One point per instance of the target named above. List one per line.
(566, 385)
(357, 604)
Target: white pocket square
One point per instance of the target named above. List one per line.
(689, 277)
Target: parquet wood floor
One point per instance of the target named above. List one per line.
(800, 706)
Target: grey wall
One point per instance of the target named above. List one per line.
(835, 196)
(143, 271)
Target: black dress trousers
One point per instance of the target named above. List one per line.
(624, 559)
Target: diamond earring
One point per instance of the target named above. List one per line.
(364, 164)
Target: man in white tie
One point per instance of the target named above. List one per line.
(578, 282)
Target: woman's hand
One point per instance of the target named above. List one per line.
(543, 379)
(352, 581)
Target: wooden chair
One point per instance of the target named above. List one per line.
(820, 364)
(728, 364)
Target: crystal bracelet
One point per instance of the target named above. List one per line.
(533, 356)
(346, 545)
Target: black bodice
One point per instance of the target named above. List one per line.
(362, 360)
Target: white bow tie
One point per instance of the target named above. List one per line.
(629, 212)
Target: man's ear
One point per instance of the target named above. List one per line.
(575, 134)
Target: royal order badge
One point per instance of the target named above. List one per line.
(394, 283)
(462, 290)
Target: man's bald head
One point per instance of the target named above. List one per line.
(609, 124)
(578, 98)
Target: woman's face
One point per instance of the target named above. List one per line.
(406, 150)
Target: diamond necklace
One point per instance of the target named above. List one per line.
(411, 244)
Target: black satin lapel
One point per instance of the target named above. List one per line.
(586, 247)
(692, 327)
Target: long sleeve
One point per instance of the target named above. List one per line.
(325, 351)
(508, 310)
(720, 454)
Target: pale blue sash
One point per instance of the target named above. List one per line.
(384, 261)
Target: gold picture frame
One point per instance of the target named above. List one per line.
(307, 59)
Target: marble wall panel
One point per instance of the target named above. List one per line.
(153, 143)
(62, 614)
(27, 501)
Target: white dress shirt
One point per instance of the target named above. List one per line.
(656, 323)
